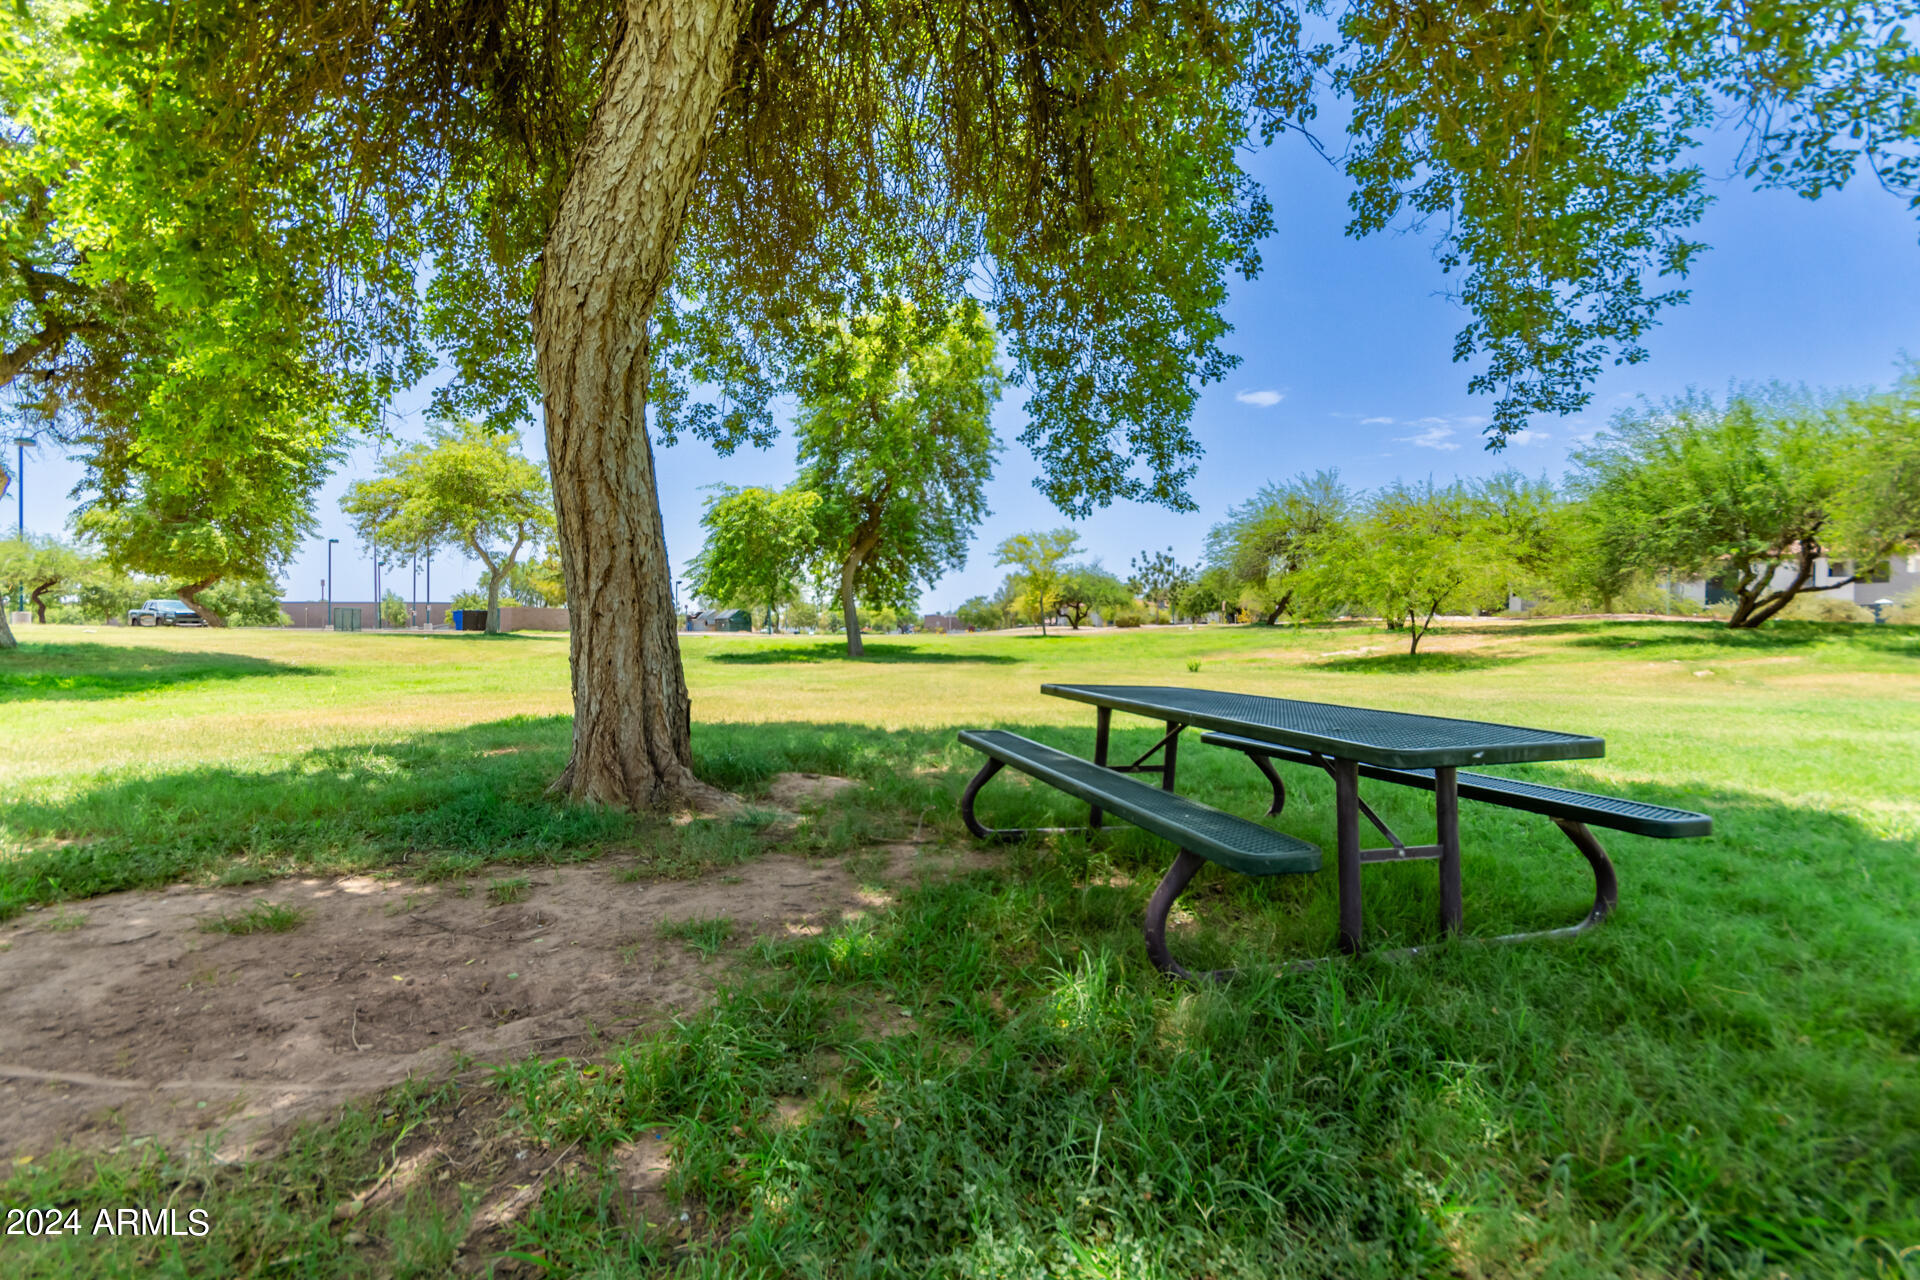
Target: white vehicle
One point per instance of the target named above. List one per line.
(164, 613)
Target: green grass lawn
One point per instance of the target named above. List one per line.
(1722, 1080)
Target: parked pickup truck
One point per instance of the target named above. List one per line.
(164, 613)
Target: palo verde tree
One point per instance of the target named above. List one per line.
(1086, 588)
(468, 486)
(758, 542)
(1258, 547)
(1748, 492)
(619, 200)
(41, 566)
(894, 439)
(1042, 570)
(1415, 550)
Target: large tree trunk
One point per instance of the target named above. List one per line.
(608, 254)
(6, 632)
(850, 605)
(190, 596)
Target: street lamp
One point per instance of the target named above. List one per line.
(329, 622)
(20, 483)
(1880, 608)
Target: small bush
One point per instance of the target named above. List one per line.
(1825, 607)
(1129, 616)
(261, 917)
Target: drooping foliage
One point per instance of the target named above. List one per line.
(1076, 166)
(1753, 491)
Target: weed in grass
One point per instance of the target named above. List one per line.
(510, 890)
(1193, 664)
(261, 917)
(706, 936)
(242, 873)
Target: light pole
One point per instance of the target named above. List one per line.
(429, 588)
(20, 483)
(374, 547)
(329, 622)
(415, 616)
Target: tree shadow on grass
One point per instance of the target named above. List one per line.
(1774, 636)
(86, 671)
(435, 804)
(836, 651)
(1417, 663)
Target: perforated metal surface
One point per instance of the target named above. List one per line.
(1392, 738)
(1613, 812)
(1232, 842)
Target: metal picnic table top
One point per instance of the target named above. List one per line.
(1394, 739)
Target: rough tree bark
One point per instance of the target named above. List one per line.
(607, 255)
(6, 632)
(190, 596)
(1752, 607)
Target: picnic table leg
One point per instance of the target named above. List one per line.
(1346, 810)
(1171, 755)
(1446, 805)
(1102, 728)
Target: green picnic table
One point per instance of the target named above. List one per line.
(1347, 743)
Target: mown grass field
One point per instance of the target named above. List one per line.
(1721, 1081)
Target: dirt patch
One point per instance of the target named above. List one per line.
(803, 791)
(125, 1018)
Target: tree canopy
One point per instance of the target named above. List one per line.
(466, 486)
(895, 439)
(1741, 490)
(1260, 544)
(758, 543)
(1042, 571)
(1415, 550)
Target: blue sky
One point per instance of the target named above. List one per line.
(1346, 362)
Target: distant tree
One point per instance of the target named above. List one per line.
(393, 610)
(979, 613)
(1258, 546)
(1213, 590)
(235, 506)
(1416, 550)
(1769, 481)
(247, 602)
(1879, 506)
(467, 485)
(894, 437)
(1158, 578)
(39, 566)
(538, 581)
(1089, 588)
(1041, 559)
(803, 614)
(758, 540)
(1524, 515)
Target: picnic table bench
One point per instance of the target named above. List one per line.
(1348, 743)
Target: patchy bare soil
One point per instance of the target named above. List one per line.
(122, 1017)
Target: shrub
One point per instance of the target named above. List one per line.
(1131, 615)
(1826, 608)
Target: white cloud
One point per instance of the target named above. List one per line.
(1264, 399)
(1434, 437)
(1526, 436)
(1372, 422)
